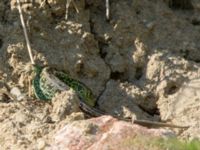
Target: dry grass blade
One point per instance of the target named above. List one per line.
(107, 10)
(25, 33)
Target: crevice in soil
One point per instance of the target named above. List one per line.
(195, 22)
(116, 75)
(102, 54)
(1, 43)
(102, 51)
(180, 4)
(171, 89)
(151, 112)
(138, 73)
(186, 55)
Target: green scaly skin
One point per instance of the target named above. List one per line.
(82, 90)
(44, 90)
(37, 84)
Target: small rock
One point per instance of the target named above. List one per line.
(17, 93)
(105, 132)
(41, 144)
(21, 118)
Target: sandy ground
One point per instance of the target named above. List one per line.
(144, 61)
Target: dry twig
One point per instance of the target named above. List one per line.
(25, 33)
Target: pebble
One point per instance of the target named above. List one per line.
(15, 91)
(41, 144)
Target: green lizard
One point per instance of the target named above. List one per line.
(48, 81)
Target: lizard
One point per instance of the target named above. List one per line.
(48, 82)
